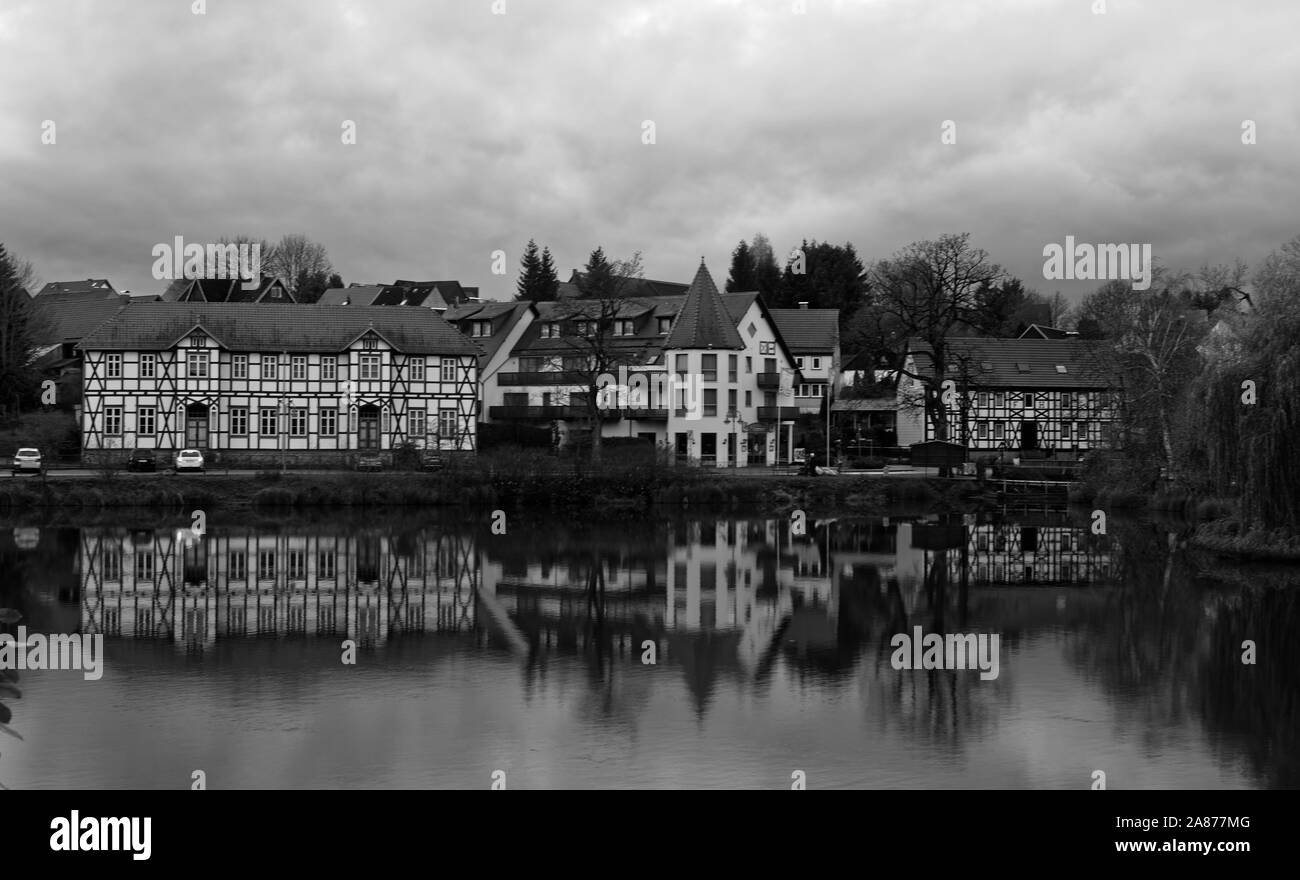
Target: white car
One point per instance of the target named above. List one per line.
(28, 460)
(189, 460)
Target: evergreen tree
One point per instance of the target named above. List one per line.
(742, 276)
(767, 274)
(18, 319)
(530, 273)
(549, 281)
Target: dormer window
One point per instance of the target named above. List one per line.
(480, 328)
(624, 327)
(665, 324)
(581, 327)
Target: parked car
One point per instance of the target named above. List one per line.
(28, 460)
(189, 460)
(431, 460)
(142, 460)
(370, 461)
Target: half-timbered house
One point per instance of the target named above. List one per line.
(251, 381)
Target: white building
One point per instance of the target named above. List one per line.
(255, 381)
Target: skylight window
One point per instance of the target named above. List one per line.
(1022, 367)
(1060, 368)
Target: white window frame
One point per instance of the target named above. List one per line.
(113, 366)
(239, 366)
(371, 368)
(417, 369)
(329, 422)
(112, 419)
(329, 368)
(152, 360)
(146, 415)
(448, 369)
(298, 368)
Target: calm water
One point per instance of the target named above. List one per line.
(523, 653)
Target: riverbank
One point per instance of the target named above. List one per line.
(602, 491)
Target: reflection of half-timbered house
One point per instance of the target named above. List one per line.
(255, 381)
(194, 591)
(1016, 394)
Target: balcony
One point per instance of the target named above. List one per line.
(777, 413)
(640, 413)
(550, 377)
(543, 413)
(769, 380)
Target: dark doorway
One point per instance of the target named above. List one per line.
(709, 448)
(757, 450)
(681, 446)
(1029, 435)
(368, 427)
(196, 426)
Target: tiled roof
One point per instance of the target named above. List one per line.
(704, 321)
(268, 327)
(503, 316)
(71, 317)
(1041, 331)
(808, 331)
(100, 286)
(359, 295)
(451, 292)
(1023, 363)
(631, 287)
(218, 290)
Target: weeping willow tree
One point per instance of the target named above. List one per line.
(1246, 410)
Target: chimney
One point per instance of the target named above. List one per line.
(803, 304)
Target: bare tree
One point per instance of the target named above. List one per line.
(297, 260)
(593, 315)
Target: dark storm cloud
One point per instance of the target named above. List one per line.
(477, 131)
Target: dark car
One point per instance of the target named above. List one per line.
(431, 460)
(142, 460)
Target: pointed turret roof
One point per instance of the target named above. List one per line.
(704, 321)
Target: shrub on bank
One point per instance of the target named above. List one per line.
(1232, 537)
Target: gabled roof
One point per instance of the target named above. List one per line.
(269, 327)
(1041, 331)
(503, 316)
(703, 321)
(221, 290)
(71, 317)
(451, 292)
(1022, 363)
(808, 331)
(639, 288)
(95, 286)
(357, 295)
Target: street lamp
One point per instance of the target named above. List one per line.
(732, 420)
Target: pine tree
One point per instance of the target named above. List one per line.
(767, 274)
(742, 278)
(548, 280)
(530, 271)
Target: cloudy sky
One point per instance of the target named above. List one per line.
(476, 131)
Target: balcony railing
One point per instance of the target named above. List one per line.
(536, 412)
(639, 413)
(777, 413)
(769, 380)
(551, 377)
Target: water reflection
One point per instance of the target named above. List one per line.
(700, 651)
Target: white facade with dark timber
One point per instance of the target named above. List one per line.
(250, 381)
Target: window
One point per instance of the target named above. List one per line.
(624, 327)
(751, 329)
(265, 565)
(447, 424)
(683, 363)
(111, 562)
(297, 565)
(665, 324)
(983, 430)
(148, 365)
(267, 422)
(325, 565)
(710, 401)
(268, 367)
(370, 343)
(580, 327)
(982, 400)
(298, 367)
(196, 364)
(1029, 401)
(239, 366)
(709, 367)
(239, 421)
(767, 348)
(1067, 400)
(448, 370)
(798, 362)
(329, 422)
(817, 363)
(480, 328)
(1081, 431)
(144, 566)
(417, 369)
(749, 365)
(113, 366)
(329, 368)
(749, 398)
(1065, 432)
(574, 364)
(416, 423)
(369, 367)
(999, 431)
(516, 398)
(549, 330)
(298, 421)
(1000, 399)
(238, 568)
(145, 420)
(731, 401)
(733, 363)
(113, 420)
(1060, 368)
